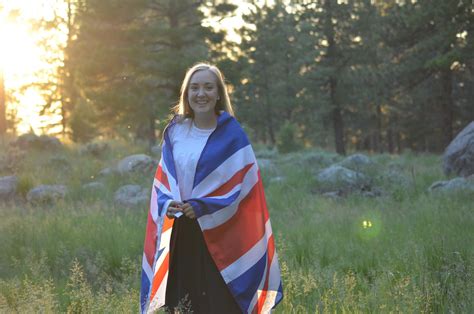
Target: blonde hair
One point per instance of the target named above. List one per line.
(223, 103)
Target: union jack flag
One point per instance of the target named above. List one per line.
(229, 201)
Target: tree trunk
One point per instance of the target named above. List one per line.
(332, 56)
(268, 110)
(338, 129)
(70, 95)
(3, 107)
(151, 127)
(447, 106)
(378, 131)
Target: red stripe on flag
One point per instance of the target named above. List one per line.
(150, 240)
(167, 224)
(161, 176)
(237, 178)
(158, 278)
(235, 237)
(263, 295)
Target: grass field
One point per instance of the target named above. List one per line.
(405, 251)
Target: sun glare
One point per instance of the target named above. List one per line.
(21, 59)
(17, 55)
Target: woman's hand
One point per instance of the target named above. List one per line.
(188, 210)
(173, 208)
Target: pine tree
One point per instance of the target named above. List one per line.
(131, 58)
(428, 36)
(268, 95)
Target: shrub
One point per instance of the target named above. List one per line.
(287, 140)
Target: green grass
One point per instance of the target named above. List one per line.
(406, 251)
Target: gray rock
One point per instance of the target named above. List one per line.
(394, 177)
(372, 192)
(266, 153)
(156, 150)
(46, 193)
(136, 163)
(278, 180)
(267, 166)
(131, 195)
(454, 185)
(49, 142)
(335, 195)
(458, 157)
(341, 177)
(93, 187)
(356, 162)
(317, 159)
(94, 149)
(8, 186)
(264, 163)
(107, 172)
(43, 142)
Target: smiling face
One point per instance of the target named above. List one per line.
(203, 92)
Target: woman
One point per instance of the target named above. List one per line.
(209, 246)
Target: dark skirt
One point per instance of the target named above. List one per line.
(194, 282)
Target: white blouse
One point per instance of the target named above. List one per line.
(188, 141)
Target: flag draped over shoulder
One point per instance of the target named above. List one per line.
(230, 206)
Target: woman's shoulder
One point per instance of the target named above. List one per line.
(178, 125)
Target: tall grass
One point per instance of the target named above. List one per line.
(405, 251)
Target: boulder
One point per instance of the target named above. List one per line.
(341, 177)
(316, 159)
(43, 142)
(454, 185)
(94, 187)
(8, 186)
(394, 177)
(156, 150)
(277, 180)
(356, 162)
(266, 153)
(264, 163)
(335, 195)
(458, 158)
(46, 193)
(107, 172)
(94, 149)
(49, 142)
(136, 163)
(131, 195)
(267, 166)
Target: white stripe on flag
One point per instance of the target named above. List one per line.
(225, 171)
(147, 269)
(250, 258)
(159, 299)
(219, 217)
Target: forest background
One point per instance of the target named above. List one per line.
(393, 79)
(380, 76)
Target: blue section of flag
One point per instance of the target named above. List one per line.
(245, 286)
(167, 157)
(144, 291)
(209, 205)
(161, 199)
(215, 152)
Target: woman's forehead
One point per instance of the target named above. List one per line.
(203, 76)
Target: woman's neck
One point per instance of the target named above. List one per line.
(205, 121)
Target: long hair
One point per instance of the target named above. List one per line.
(183, 109)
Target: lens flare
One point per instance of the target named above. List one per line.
(368, 225)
